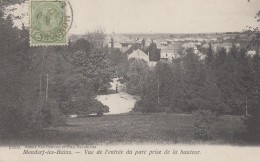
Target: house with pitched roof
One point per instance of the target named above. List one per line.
(191, 45)
(138, 54)
(170, 52)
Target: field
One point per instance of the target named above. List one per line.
(136, 128)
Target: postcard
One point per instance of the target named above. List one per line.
(129, 80)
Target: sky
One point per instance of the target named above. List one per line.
(163, 16)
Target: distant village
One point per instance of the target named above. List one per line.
(169, 46)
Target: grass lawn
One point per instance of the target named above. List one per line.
(137, 128)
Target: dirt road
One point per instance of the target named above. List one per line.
(120, 102)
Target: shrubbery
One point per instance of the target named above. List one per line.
(222, 82)
(252, 129)
(16, 120)
(12, 119)
(146, 105)
(252, 123)
(85, 106)
(202, 124)
(50, 114)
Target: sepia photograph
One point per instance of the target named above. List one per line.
(136, 79)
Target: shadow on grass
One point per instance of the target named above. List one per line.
(46, 137)
(129, 128)
(109, 91)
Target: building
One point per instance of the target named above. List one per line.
(170, 52)
(138, 54)
(124, 49)
(117, 45)
(191, 45)
(251, 53)
(206, 46)
(152, 63)
(226, 45)
(148, 42)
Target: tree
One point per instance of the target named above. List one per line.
(211, 96)
(96, 38)
(19, 96)
(221, 56)
(154, 52)
(252, 121)
(136, 76)
(6, 3)
(164, 78)
(91, 64)
(143, 42)
(118, 60)
(112, 43)
(209, 55)
(193, 79)
(133, 47)
(149, 97)
(177, 96)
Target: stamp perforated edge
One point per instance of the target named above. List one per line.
(30, 28)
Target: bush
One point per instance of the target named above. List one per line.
(17, 119)
(50, 114)
(146, 105)
(12, 120)
(43, 115)
(202, 124)
(252, 123)
(86, 106)
(252, 129)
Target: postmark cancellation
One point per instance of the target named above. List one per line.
(48, 22)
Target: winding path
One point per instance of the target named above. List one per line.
(118, 103)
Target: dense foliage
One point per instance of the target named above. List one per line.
(202, 124)
(39, 84)
(225, 82)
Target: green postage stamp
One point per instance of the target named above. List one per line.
(48, 22)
